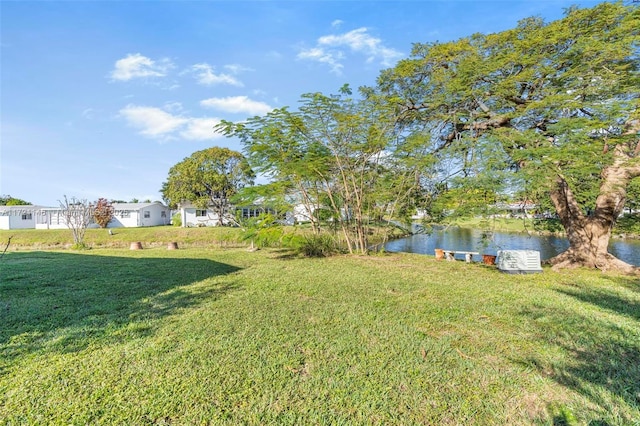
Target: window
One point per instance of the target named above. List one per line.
(163, 213)
(147, 214)
(201, 213)
(249, 212)
(27, 216)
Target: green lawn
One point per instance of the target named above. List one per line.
(157, 236)
(224, 336)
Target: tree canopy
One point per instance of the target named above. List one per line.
(557, 102)
(8, 200)
(208, 179)
(548, 111)
(103, 212)
(340, 157)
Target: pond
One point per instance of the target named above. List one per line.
(463, 239)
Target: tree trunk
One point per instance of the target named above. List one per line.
(589, 235)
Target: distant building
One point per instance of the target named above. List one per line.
(18, 217)
(517, 209)
(133, 215)
(127, 215)
(191, 216)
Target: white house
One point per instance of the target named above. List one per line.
(50, 218)
(194, 216)
(302, 213)
(518, 209)
(18, 217)
(126, 215)
(131, 215)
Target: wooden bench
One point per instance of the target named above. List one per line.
(468, 255)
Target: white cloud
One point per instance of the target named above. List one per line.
(88, 113)
(323, 56)
(138, 66)
(160, 124)
(237, 69)
(237, 104)
(206, 75)
(201, 129)
(361, 42)
(337, 23)
(173, 106)
(330, 49)
(152, 121)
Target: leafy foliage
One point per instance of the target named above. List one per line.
(343, 159)
(208, 179)
(263, 231)
(8, 200)
(544, 109)
(176, 220)
(103, 212)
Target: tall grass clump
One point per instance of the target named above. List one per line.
(322, 245)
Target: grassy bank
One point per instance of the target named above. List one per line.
(160, 236)
(223, 336)
(157, 236)
(626, 226)
(523, 225)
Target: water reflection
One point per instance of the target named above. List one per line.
(475, 240)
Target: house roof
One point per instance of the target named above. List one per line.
(116, 206)
(135, 206)
(5, 210)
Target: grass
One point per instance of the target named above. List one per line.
(509, 224)
(627, 225)
(160, 236)
(223, 336)
(157, 236)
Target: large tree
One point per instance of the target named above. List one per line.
(337, 154)
(560, 100)
(208, 179)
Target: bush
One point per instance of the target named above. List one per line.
(265, 237)
(322, 245)
(103, 212)
(628, 224)
(176, 220)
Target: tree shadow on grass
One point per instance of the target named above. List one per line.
(628, 282)
(65, 302)
(602, 359)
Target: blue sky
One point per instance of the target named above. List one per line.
(100, 99)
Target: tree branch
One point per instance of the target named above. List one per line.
(6, 247)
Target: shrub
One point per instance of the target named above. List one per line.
(322, 245)
(176, 220)
(103, 212)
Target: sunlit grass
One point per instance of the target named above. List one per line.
(230, 337)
